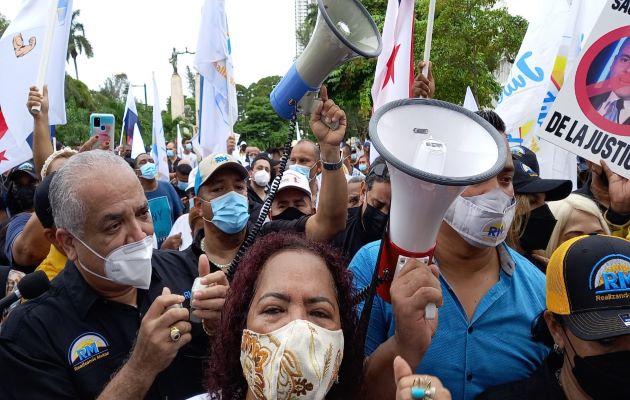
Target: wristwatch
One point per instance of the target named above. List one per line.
(332, 166)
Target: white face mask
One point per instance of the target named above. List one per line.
(261, 178)
(299, 359)
(129, 264)
(483, 220)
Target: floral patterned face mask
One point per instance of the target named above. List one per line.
(298, 361)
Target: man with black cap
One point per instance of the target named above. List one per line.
(533, 220)
(22, 182)
(588, 317)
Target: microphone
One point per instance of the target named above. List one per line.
(29, 287)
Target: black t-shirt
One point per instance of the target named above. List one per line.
(542, 385)
(69, 342)
(355, 236)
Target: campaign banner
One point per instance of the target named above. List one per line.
(591, 116)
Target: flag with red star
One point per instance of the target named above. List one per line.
(12, 152)
(394, 69)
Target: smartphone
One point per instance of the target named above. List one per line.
(103, 125)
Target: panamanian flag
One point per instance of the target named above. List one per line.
(21, 49)
(130, 119)
(393, 78)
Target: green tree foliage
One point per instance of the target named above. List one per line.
(4, 24)
(470, 38)
(116, 87)
(190, 81)
(77, 42)
(258, 123)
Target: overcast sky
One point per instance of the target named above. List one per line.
(137, 37)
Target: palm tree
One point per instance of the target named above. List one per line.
(77, 42)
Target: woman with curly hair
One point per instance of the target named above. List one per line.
(287, 326)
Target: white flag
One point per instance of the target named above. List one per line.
(158, 145)
(217, 100)
(469, 100)
(21, 48)
(180, 146)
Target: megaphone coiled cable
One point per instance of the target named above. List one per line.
(253, 233)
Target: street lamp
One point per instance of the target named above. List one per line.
(144, 85)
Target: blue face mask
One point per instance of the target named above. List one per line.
(169, 153)
(301, 169)
(353, 156)
(362, 167)
(230, 212)
(188, 146)
(148, 171)
(182, 185)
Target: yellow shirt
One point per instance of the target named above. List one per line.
(53, 264)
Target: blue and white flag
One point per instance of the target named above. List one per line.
(158, 146)
(21, 49)
(218, 110)
(130, 119)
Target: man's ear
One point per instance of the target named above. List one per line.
(67, 243)
(363, 190)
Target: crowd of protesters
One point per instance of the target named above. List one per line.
(146, 302)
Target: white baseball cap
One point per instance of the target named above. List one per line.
(292, 179)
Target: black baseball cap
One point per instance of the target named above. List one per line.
(588, 285)
(43, 210)
(526, 156)
(26, 168)
(526, 181)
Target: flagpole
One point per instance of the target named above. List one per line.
(43, 63)
(428, 38)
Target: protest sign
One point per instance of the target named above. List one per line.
(591, 116)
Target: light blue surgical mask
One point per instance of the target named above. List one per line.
(148, 171)
(353, 157)
(188, 146)
(302, 169)
(230, 212)
(182, 185)
(169, 153)
(362, 167)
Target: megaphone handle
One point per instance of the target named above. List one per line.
(430, 310)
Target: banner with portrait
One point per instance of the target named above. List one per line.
(591, 116)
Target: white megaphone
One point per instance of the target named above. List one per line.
(344, 30)
(433, 150)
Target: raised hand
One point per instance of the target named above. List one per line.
(330, 113)
(35, 98)
(618, 190)
(423, 86)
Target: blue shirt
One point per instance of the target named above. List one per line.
(15, 227)
(495, 347)
(165, 208)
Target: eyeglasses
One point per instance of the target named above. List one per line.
(379, 170)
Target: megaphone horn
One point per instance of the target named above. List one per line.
(433, 150)
(344, 30)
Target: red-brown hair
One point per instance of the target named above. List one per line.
(225, 373)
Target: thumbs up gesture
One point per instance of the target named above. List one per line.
(208, 301)
(410, 386)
